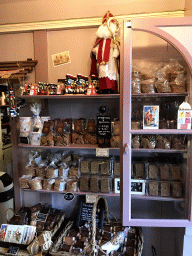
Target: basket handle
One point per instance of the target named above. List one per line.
(94, 218)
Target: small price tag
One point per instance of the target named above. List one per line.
(41, 217)
(102, 152)
(12, 250)
(69, 196)
(91, 199)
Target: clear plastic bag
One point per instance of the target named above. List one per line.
(37, 123)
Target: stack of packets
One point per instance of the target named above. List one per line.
(19, 234)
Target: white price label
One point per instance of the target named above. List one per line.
(102, 152)
(91, 199)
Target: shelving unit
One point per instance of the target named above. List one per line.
(64, 106)
(136, 210)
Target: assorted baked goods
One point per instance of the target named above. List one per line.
(162, 179)
(70, 172)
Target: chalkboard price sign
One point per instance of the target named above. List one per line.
(85, 213)
(69, 196)
(104, 126)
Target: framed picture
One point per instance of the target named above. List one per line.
(151, 117)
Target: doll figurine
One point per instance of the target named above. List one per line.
(105, 55)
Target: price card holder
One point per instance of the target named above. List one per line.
(102, 152)
(91, 199)
(117, 185)
(138, 187)
(12, 250)
(69, 196)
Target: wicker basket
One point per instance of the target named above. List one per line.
(55, 247)
(54, 250)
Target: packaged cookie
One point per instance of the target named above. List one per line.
(63, 171)
(79, 125)
(165, 189)
(46, 127)
(147, 86)
(135, 125)
(30, 170)
(72, 185)
(41, 171)
(164, 172)
(60, 127)
(178, 142)
(175, 172)
(90, 138)
(24, 181)
(35, 183)
(31, 166)
(115, 141)
(84, 183)
(94, 184)
(106, 184)
(73, 172)
(139, 170)
(116, 127)
(59, 184)
(77, 138)
(66, 158)
(95, 167)
(48, 184)
(176, 189)
(153, 188)
(151, 142)
(153, 171)
(135, 142)
(51, 172)
(116, 168)
(91, 126)
(105, 167)
(144, 142)
(84, 166)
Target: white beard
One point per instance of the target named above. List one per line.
(103, 31)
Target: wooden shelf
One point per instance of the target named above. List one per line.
(69, 96)
(156, 198)
(135, 197)
(144, 95)
(161, 131)
(166, 151)
(15, 70)
(70, 146)
(76, 193)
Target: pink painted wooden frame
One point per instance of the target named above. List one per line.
(152, 26)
